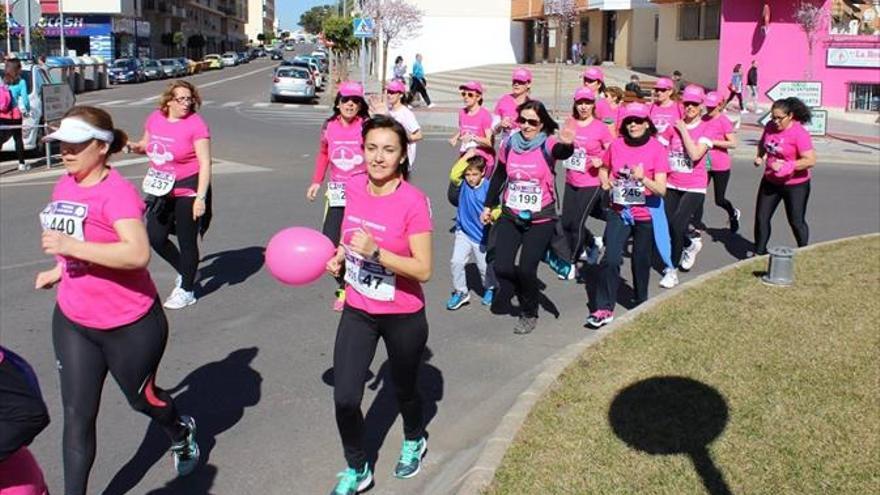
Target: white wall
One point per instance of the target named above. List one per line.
(642, 46)
(99, 7)
(518, 40)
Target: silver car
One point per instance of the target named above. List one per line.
(294, 83)
(172, 67)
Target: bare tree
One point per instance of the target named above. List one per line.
(811, 18)
(395, 21)
(564, 13)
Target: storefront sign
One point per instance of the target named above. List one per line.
(853, 57)
(818, 126)
(810, 92)
(73, 26)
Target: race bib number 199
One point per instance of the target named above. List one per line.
(524, 196)
(369, 278)
(65, 217)
(158, 183)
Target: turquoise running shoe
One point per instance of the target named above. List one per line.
(186, 452)
(352, 482)
(411, 454)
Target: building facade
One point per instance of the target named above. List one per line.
(261, 20)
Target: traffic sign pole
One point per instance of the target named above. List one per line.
(8, 33)
(27, 27)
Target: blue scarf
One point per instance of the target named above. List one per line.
(520, 144)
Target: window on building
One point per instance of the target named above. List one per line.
(699, 21)
(864, 97)
(855, 18)
(585, 29)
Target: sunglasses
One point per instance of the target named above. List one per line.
(183, 99)
(661, 90)
(348, 99)
(690, 104)
(590, 81)
(468, 94)
(531, 122)
(630, 122)
(585, 101)
(517, 82)
(779, 118)
(395, 93)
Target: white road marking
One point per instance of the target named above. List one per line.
(231, 104)
(261, 104)
(246, 74)
(111, 103)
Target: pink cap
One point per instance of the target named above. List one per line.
(635, 110)
(485, 155)
(594, 73)
(522, 74)
(713, 99)
(472, 86)
(664, 83)
(395, 86)
(693, 94)
(584, 93)
(351, 88)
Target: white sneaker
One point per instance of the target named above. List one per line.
(179, 299)
(689, 255)
(670, 278)
(23, 167)
(178, 282)
(431, 105)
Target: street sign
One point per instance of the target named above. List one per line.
(57, 100)
(810, 92)
(18, 11)
(364, 27)
(818, 126)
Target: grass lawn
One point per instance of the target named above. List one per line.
(731, 387)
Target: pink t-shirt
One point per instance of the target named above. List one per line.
(787, 145)
(172, 146)
(590, 142)
(604, 112)
(717, 130)
(684, 173)
(664, 119)
(620, 158)
(342, 149)
(92, 295)
(476, 124)
(391, 219)
(530, 169)
(506, 107)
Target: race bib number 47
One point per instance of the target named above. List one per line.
(158, 183)
(65, 217)
(369, 278)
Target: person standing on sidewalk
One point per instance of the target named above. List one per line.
(419, 83)
(505, 108)
(752, 83)
(736, 87)
(787, 155)
(12, 113)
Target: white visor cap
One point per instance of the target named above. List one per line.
(74, 130)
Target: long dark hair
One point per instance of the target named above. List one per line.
(387, 122)
(12, 71)
(363, 110)
(549, 125)
(793, 106)
(624, 131)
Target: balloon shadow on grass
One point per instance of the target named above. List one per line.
(670, 415)
(229, 268)
(216, 395)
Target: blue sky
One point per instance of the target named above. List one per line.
(290, 10)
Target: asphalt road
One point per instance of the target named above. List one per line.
(252, 360)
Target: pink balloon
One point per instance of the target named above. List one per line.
(298, 255)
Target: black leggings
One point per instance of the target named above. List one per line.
(680, 209)
(577, 204)
(357, 336)
(795, 199)
(332, 228)
(520, 279)
(616, 234)
(131, 353)
(719, 181)
(419, 86)
(738, 96)
(177, 215)
(15, 134)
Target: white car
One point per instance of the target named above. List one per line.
(230, 59)
(35, 78)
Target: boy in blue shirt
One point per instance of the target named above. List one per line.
(467, 192)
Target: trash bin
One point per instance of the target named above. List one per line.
(61, 71)
(79, 76)
(102, 73)
(90, 73)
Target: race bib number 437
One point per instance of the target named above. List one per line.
(369, 278)
(66, 217)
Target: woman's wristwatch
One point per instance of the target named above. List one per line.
(376, 253)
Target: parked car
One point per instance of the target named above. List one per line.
(243, 57)
(125, 70)
(214, 61)
(173, 67)
(190, 66)
(35, 78)
(312, 65)
(230, 59)
(276, 55)
(153, 70)
(323, 64)
(292, 83)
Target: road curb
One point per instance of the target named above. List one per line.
(482, 473)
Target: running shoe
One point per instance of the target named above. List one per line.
(670, 278)
(457, 300)
(178, 282)
(410, 461)
(186, 452)
(23, 167)
(689, 255)
(431, 105)
(180, 299)
(352, 482)
(525, 325)
(734, 221)
(488, 296)
(600, 318)
(339, 301)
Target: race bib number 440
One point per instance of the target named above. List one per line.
(336, 194)
(158, 183)
(369, 278)
(524, 196)
(65, 217)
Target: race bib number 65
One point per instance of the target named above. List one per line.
(65, 217)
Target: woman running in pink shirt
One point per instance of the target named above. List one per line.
(108, 316)
(340, 151)
(505, 108)
(474, 123)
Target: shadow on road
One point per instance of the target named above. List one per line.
(216, 395)
(669, 415)
(736, 245)
(229, 268)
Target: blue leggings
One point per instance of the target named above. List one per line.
(661, 229)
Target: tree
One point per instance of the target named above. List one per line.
(396, 21)
(4, 29)
(339, 32)
(563, 13)
(178, 40)
(812, 19)
(313, 19)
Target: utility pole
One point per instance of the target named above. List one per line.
(8, 31)
(61, 23)
(27, 28)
